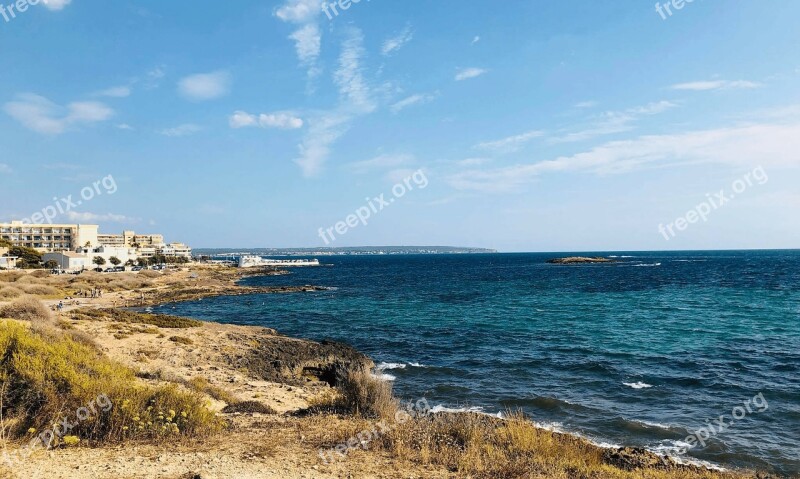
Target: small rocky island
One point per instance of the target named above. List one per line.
(580, 260)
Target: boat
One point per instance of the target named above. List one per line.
(258, 261)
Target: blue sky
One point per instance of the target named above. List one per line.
(538, 125)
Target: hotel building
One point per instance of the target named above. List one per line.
(49, 237)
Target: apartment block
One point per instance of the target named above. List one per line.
(47, 237)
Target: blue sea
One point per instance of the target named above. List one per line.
(642, 352)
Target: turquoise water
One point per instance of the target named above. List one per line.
(643, 352)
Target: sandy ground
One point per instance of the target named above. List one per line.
(257, 446)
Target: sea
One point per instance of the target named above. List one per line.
(690, 354)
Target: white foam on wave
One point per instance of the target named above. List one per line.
(417, 365)
(388, 366)
(655, 424)
(653, 265)
(476, 409)
(384, 377)
(638, 385)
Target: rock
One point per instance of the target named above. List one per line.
(580, 260)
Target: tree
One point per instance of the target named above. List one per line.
(99, 260)
(114, 260)
(5, 243)
(29, 258)
(130, 263)
(142, 261)
(51, 264)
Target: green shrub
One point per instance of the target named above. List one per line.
(45, 380)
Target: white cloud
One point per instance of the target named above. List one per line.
(510, 144)
(93, 217)
(205, 86)
(39, 114)
(768, 145)
(612, 122)
(398, 41)
(124, 126)
(467, 73)
(308, 37)
(56, 5)
(418, 99)
(115, 92)
(355, 100)
(284, 120)
(308, 43)
(475, 40)
(4, 168)
(586, 104)
(381, 162)
(299, 11)
(182, 130)
(717, 85)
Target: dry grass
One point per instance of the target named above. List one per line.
(10, 292)
(159, 320)
(44, 379)
(40, 290)
(26, 308)
(483, 447)
(359, 393)
(202, 385)
(181, 340)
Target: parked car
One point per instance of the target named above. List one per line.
(137, 268)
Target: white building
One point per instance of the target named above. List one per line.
(124, 254)
(69, 260)
(6, 261)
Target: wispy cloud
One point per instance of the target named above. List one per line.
(717, 85)
(124, 126)
(182, 130)
(586, 104)
(205, 86)
(355, 100)
(398, 41)
(510, 144)
(475, 40)
(4, 168)
(94, 217)
(308, 36)
(612, 122)
(381, 162)
(283, 120)
(467, 73)
(768, 144)
(418, 99)
(115, 92)
(56, 4)
(41, 115)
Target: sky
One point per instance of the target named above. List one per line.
(533, 125)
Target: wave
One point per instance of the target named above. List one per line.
(638, 385)
(384, 366)
(622, 256)
(387, 366)
(644, 265)
(384, 377)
